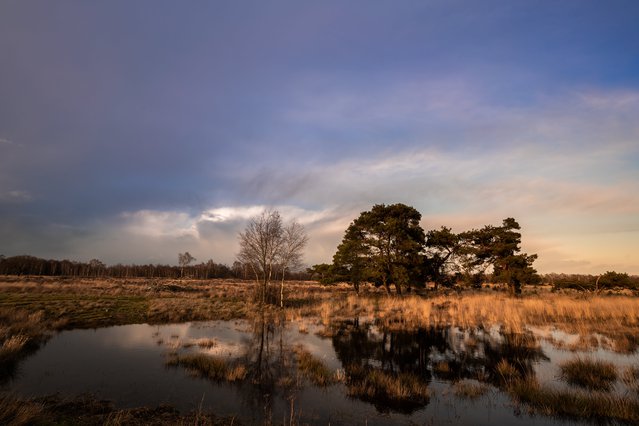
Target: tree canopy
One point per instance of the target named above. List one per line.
(388, 247)
(383, 245)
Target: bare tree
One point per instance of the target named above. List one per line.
(267, 246)
(184, 259)
(294, 240)
(260, 247)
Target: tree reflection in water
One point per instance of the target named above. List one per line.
(391, 370)
(269, 359)
(444, 354)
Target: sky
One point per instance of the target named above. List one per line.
(131, 131)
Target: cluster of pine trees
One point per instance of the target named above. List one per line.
(387, 246)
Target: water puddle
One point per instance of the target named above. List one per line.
(272, 371)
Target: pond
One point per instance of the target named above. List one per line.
(271, 371)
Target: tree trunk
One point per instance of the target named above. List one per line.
(282, 289)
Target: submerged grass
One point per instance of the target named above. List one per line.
(588, 373)
(575, 403)
(209, 367)
(314, 369)
(469, 389)
(375, 384)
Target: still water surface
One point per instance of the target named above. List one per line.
(128, 365)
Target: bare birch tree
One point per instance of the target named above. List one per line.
(294, 240)
(260, 247)
(184, 259)
(268, 247)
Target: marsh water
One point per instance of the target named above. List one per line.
(130, 365)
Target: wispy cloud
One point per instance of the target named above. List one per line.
(152, 223)
(16, 196)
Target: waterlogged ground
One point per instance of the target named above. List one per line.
(269, 371)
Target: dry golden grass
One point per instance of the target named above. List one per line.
(375, 384)
(616, 316)
(507, 372)
(630, 378)
(313, 369)
(593, 374)
(15, 411)
(575, 403)
(210, 367)
(469, 389)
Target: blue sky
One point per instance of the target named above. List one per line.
(131, 131)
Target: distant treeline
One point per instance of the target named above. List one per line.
(609, 280)
(30, 265)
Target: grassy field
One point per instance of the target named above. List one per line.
(33, 308)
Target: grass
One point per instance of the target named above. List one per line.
(314, 369)
(31, 308)
(378, 385)
(85, 303)
(576, 404)
(507, 372)
(469, 389)
(13, 345)
(88, 411)
(616, 317)
(631, 379)
(209, 367)
(589, 373)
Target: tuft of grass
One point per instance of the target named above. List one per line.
(507, 372)
(631, 378)
(589, 373)
(313, 369)
(575, 403)
(442, 368)
(374, 384)
(209, 367)
(17, 412)
(205, 343)
(469, 389)
(13, 345)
